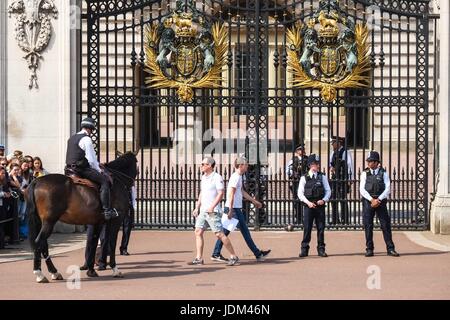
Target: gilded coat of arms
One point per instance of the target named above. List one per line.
(186, 51)
(329, 52)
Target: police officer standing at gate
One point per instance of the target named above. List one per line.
(314, 191)
(296, 168)
(341, 165)
(375, 188)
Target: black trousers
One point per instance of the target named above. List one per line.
(339, 196)
(309, 216)
(97, 177)
(2, 227)
(10, 205)
(127, 226)
(385, 223)
(298, 207)
(94, 234)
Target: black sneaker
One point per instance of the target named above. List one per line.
(369, 253)
(303, 253)
(263, 255)
(219, 258)
(84, 267)
(322, 254)
(393, 253)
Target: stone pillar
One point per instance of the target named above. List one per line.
(38, 119)
(3, 71)
(440, 208)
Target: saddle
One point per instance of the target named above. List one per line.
(84, 182)
(77, 180)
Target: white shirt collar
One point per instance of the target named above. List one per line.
(311, 174)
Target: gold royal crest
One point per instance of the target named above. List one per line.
(334, 56)
(185, 52)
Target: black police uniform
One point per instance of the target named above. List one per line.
(375, 186)
(339, 187)
(314, 191)
(298, 169)
(127, 226)
(76, 161)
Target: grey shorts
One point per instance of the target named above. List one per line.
(214, 221)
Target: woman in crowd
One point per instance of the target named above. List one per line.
(38, 170)
(18, 184)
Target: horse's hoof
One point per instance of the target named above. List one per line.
(117, 273)
(42, 279)
(57, 276)
(92, 274)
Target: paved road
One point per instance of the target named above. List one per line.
(157, 269)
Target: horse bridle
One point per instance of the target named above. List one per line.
(123, 175)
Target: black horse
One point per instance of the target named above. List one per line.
(56, 197)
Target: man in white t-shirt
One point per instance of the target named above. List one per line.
(208, 211)
(233, 207)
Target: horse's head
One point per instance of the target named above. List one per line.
(125, 163)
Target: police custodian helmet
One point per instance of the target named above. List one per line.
(313, 158)
(373, 156)
(88, 123)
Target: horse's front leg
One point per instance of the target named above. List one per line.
(114, 231)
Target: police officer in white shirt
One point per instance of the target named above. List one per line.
(314, 191)
(375, 188)
(81, 158)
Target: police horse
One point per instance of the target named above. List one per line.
(57, 197)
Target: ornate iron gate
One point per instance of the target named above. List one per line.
(257, 111)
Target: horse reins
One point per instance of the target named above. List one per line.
(122, 174)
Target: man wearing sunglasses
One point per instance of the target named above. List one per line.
(208, 211)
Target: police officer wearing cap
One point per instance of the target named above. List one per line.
(296, 168)
(341, 164)
(314, 191)
(375, 188)
(2, 150)
(81, 158)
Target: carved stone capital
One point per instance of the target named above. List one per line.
(33, 30)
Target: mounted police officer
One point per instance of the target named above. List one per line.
(314, 191)
(375, 188)
(341, 164)
(296, 168)
(81, 158)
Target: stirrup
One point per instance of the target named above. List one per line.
(110, 214)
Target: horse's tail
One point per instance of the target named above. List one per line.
(34, 221)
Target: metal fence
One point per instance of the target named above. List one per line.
(258, 108)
